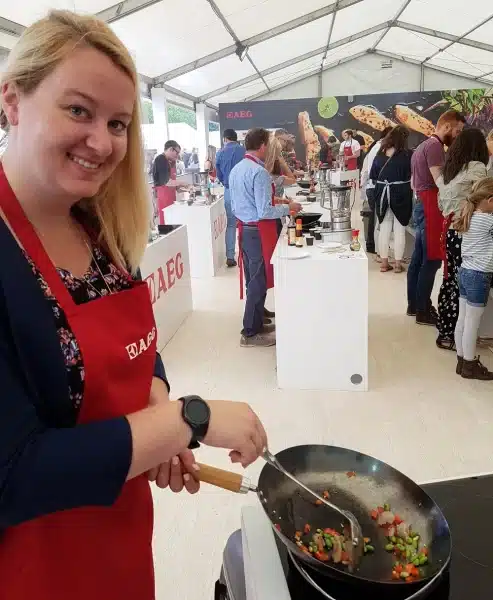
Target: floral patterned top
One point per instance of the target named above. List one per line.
(82, 289)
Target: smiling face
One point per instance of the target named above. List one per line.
(71, 131)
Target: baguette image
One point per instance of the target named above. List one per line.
(371, 117)
(411, 119)
(308, 137)
(368, 140)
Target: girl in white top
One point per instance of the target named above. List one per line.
(475, 222)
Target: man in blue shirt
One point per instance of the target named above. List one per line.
(229, 156)
(252, 202)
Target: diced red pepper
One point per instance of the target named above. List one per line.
(307, 528)
(330, 531)
(424, 550)
(298, 534)
(415, 572)
(374, 514)
(305, 550)
(351, 474)
(326, 495)
(397, 520)
(345, 557)
(323, 556)
(399, 569)
(277, 526)
(318, 502)
(380, 509)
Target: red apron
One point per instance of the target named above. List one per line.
(101, 553)
(433, 224)
(166, 195)
(351, 163)
(268, 238)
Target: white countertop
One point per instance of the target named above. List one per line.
(285, 252)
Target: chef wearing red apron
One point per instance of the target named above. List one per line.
(253, 205)
(87, 549)
(164, 177)
(351, 149)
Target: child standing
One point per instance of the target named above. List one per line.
(475, 222)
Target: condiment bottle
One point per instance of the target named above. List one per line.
(299, 233)
(355, 243)
(292, 229)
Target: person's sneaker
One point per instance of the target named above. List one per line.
(231, 262)
(426, 318)
(268, 328)
(411, 312)
(261, 340)
(269, 314)
(474, 369)
(460, 363)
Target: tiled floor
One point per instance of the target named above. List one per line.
(418, 416)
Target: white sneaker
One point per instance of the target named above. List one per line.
(261, 340)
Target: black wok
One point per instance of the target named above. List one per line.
(306, 185)
(376, 483)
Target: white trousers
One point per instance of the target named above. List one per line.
(388, 224)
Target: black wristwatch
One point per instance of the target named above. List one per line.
(196, 413)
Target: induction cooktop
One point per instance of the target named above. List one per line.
(467, 505)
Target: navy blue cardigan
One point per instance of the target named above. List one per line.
(47, 462)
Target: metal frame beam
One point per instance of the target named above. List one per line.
(414, 61)
(10, 27)
(293, 61)
(316, 71)
(459, 39)
(124, 9)
(394, 20)
(329, 36)
(256, 39)
(444, 36)
(237, 40)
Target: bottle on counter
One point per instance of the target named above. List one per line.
(355, 243)
(292, 229)
(299, 233)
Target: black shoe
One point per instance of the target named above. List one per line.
(445, 343)
(411, 312)
(371, 250)
(426, 318)
(231, 262)
(269, 314)
(267, 321)
(474, 369)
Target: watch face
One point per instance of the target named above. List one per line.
(198, 411)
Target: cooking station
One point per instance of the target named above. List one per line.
(330, 289)
(257, 566)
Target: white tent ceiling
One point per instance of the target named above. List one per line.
(190, 47)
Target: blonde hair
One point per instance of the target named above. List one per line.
(481, 190)
(273, 153)
(121, 208)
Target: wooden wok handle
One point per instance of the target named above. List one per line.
(227, 480)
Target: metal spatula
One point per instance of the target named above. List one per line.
(355, 547)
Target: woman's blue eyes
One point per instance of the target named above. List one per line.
(80, 111)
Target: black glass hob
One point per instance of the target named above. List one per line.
(468, 506)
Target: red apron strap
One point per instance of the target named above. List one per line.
(31, 243)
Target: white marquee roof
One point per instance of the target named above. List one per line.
(189, 47)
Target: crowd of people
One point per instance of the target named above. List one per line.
(446, 177)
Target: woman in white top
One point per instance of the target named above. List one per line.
(465, 164)
(475, 222)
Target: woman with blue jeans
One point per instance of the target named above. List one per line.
(475, 222)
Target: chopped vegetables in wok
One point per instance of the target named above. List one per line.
(327, 545)
(404, 543)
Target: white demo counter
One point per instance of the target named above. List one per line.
(206, 226)
(166, 269)
(321, 318)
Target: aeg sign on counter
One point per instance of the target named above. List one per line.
(166, 270)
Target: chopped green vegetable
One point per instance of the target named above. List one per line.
(389, 547)
(423, 560)
(416, 562)
(386, 507)
(404, 575)
(369, 548)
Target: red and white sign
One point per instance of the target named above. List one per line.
(166, 270)
(239, 114)
(206, 228)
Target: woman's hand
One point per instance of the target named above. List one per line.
(234, 426)
(178, 473)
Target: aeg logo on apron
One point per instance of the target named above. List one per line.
(142, 345)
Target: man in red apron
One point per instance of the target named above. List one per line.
(426, 165)
(350, 149)
(252, 199)
(164, 176)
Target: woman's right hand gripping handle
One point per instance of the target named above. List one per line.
(159, 433)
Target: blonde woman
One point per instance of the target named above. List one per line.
(85, 418)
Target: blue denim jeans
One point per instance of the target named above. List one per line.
(421, 272)
(230, 226)
(474, 286)
(256, 283)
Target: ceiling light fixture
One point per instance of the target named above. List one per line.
(241, 50)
